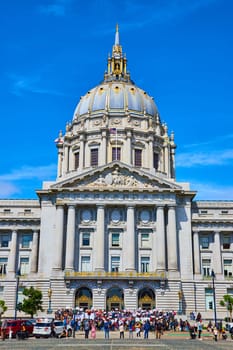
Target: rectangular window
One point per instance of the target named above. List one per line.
(3, 266)
(94, 156)
(115, 263)
(24, 266)
(76, 160)
(206, 270)
(145, 263)
(26, 240)
(85, 263)
(115, 239)
(116, 153)
(138, 157)
(227, 266)
(204, 242)
(86, 239)
(156, 161)
(209, 300)
(21, 297)
(226, 242)
(145, 240)
(230, 291)
(4, 240)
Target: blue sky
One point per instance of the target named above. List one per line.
(54, 51)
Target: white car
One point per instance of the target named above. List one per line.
(42, 328)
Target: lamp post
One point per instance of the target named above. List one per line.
(50, 292)
(214, 298)
(17, 276)
(180, 296)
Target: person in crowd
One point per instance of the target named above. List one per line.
(146, 328)
(86, 327)
(93, 330)
(121, 330)
(106, 329)
(158, 329)
(215, 332)
(199, 328)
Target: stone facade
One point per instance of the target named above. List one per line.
(115, 230)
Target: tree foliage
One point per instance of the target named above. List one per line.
(3, 307)
(33, 301)
(228, 303)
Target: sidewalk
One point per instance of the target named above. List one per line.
(167, 335)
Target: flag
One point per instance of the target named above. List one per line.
(113, 131)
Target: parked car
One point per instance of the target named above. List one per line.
(14, 328)
(43, 328)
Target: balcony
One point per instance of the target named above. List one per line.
(115, 275)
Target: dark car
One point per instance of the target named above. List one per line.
(15, 327)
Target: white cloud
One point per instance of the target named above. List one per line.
(211, 191)
(23, 84)
(55, 8)
(193, 159)
(29, 172)
(8, 189)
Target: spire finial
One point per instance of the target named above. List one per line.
(117, 39)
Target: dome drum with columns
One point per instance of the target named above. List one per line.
(115, 229)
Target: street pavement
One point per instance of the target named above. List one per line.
(169, 341)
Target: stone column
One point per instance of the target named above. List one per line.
(71, 160)
(172, 239)
(70, 238)
(58, 239)
(130, 247)
(196, 253)
(103, 149)
(166, 159)
(65, 159)
(128, 156)
(34, 253)
(13, 253)
(100, 239)
(160, 239)
(81, 150)
(150, 153)
(217, 263)
(59, 166)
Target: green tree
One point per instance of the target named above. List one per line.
(33, 301)
(228, 303)
(3, 307)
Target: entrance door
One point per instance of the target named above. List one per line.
(115, 299)
(146, 299)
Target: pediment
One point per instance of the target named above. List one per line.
(115, 176)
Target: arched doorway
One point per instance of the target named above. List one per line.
(115, 299)
(146, 299)
(83, 298)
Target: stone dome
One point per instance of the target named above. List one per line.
(117, 94)
(118, 97)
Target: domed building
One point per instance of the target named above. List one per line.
(116, 230)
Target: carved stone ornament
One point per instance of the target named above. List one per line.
(118, 179)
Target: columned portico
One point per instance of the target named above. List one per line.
(172, 239)
(58, 239)
(70, 238)
(100, 238)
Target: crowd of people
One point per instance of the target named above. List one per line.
(138, 323)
